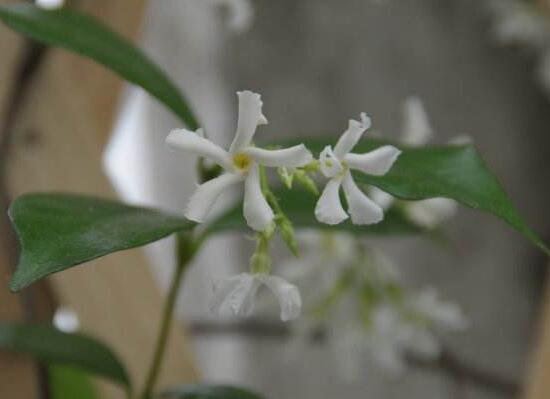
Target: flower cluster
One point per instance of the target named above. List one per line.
(244, 163)
(355, 295)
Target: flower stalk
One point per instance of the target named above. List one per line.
(186, 248)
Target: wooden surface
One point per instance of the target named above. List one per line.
(59, 138)
(538, 376)
(13, 368)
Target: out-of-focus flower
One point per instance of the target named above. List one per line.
(355, 295)
(50, 4)
(241, 164)
(240, 14)
(336, 165)
(237, 294)
(525, 23)
(519, 22)
(416, 131)
(443, 315)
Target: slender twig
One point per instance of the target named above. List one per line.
(447, 363)
(27, 66)
(160, 346)
(186, 249)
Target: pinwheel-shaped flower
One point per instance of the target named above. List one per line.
(337, 164)
(240, 164)
(237, 294)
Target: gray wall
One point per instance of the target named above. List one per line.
(318, 63)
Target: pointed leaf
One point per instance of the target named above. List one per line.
(87, 36)
(455, 171)
(59, 231)
(66, 382)
(53, 346)
(202, 391)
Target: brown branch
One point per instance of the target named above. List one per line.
(447, 363)
(30, 59)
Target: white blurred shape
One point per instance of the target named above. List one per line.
(66, 320)
(50, 4)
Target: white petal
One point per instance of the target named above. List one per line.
(256, 210)
(235, 294)
(431, 212)
(204, 197)
(362, 209)
(287, 295)
(377, 162)
(329, 208)
(194, 143)
(250, 116)
(416, 130)
(350, 137)
(292, 157)
(444, 314)
(328, 162)
(382, 198)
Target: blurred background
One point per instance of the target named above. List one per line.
(481, 68)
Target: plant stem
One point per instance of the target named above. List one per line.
(186, 250)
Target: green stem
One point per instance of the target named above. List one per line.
(186, 250)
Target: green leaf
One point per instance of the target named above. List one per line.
(299, 206)
(87, 36)
(58, 231)
(67, 382)
(55, 347)
(201, 391)
(456, 171)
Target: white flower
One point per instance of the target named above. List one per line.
(336, 164)
(240, 164)
(519, 22)
(50, 4)
(237, 294)
(415, 132)
(444, 315)
(431, 212)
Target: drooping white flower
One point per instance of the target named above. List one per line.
(240, 164)
(237, 295)
(50, 4)
(337, 164)
(416, 131)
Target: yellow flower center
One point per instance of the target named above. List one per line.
(242, 161)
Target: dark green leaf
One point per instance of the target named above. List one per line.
(56, 347)
(209, 392)
(58, 231)
(84, 35)
(67, 382)
(299, 206)
(457, 172)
